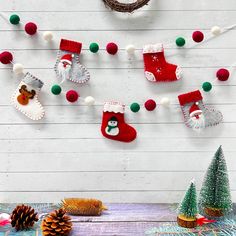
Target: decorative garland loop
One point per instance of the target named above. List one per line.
(125, 7)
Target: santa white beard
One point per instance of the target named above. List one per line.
(64, 72)
(197, 124)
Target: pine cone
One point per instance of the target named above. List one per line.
(56, 223)
(23, 217)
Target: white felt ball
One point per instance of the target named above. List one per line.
(48, 36)
(216, 30)
(4, 216)
(18, 68)
(89, 101)
(165, 102)
(130, 49)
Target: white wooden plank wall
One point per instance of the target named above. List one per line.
(64, 154)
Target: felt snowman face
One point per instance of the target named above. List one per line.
(112, 123)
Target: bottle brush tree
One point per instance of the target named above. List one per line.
(215, 199)
(188, 208)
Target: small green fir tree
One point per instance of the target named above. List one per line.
(215, 192)
(189, 207)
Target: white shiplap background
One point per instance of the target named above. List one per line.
(64, 154)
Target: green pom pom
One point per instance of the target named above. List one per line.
(180, 42)
(94, 47)
(134, 107)
(14, 19)
(207, 86)
(56, 89)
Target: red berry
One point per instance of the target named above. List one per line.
(112, 48)
(6, 57)
(72, 96)
(31, 28)
(222, 74)
(150, 105)
(198, 36)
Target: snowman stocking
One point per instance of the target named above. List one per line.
(68, 66)
(113, 123)
(157, 69)
(197, 115)
(25, 98)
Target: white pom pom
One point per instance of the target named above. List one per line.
(130, 49)
(18, 68)
(216, 30)
(89, 101)
(165, 102)
(48, 36)
(4, 216)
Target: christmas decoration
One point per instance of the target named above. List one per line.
(57, 223)
(188, 208)
(113, 123)
(18, 68)
(112, 48)
(83, 206)
(135, 107)
(94, 47)
(14, 19)
(215, 199)
(165, 102)
(31, 28)
(150, 105)
(68, 66)
(197, 115)
(157, 69)
(6, 57)
(89, 101)
(125, 7)
(48, 36)
(222, 74)
(130, 49)
(180, 42)
(56, 89)
(5, 219)
(72, 96)
(216, 30)
(25, 98)
(207, 86)
(198, 36)
(23, 217)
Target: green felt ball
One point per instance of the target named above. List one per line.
(56, 89)
(94, 47)
(207, 86)
(14, 19)
(134, 107)
(180, 42)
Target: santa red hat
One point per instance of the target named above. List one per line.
(195, 110)
(67, 58)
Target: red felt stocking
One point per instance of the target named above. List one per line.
(113, 123)
(157, 69)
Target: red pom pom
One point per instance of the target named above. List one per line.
(31, 28)
(6, 57)
(72, 96)
(112, 48)
(198, 36)
(150, 105)
(222, 74)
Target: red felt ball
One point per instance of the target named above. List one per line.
(31, 28)
(6, 57)
(198, 36)
(112, 48)
(72, 96)
(222, 74)
(150, 105)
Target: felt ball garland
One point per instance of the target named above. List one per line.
(150, 105)
(216, 30)
(135, 107)
(222, 74)
(197, 36)
(14, 19)
(94, 47)
(130, 49)
(89, 101)
(31, 28)
(6, 57)
(56, 89)
(180, 42)
(48, 36)
(72, 96)
(112, 48)
(207, 86)
(18, 68)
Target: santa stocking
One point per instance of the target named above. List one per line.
(113, 123)
(157, 69)
(68, 66)
(197, 115)
(25, 98)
